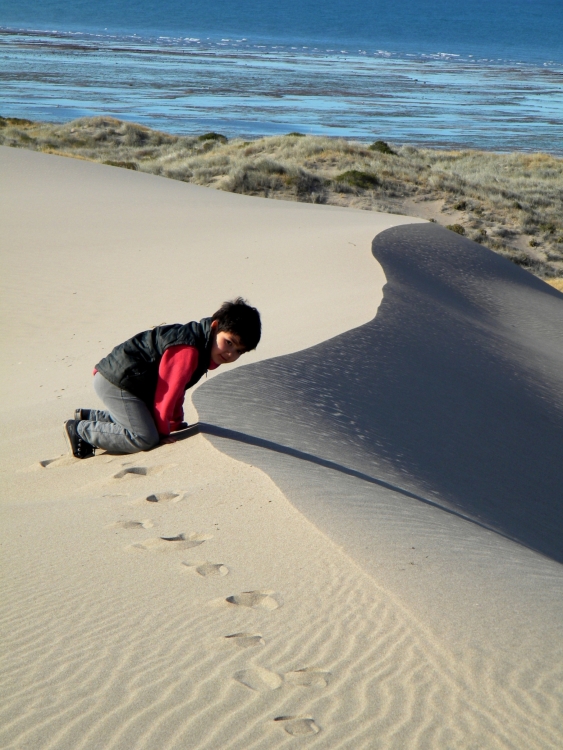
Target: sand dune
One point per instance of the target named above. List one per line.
(362, 551)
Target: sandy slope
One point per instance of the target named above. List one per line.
(117, 637)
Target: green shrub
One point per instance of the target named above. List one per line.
(457, 228)
(252, 181)
(355, 178)
(382, 147)
(212, 137)
(123, 164)
(269, 166)
(460, 205)
(4, 121)
(538, 267)
(521, 259)
(306, 184)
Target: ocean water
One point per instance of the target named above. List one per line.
(485, 75)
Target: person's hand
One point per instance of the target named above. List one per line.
(167, 439)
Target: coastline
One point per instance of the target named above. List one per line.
(455, 92)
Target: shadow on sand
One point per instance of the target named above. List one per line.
(284, 450)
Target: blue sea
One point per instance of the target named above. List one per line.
(482, 74)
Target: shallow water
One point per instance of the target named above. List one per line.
(489, 76)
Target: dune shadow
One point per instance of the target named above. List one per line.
(284, 450)
(452, 395)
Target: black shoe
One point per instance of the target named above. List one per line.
(78, 447)
(80, 414)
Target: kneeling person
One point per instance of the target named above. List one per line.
(143, 381)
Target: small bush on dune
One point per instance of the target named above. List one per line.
(457, 228)
(212, 137)
(533, 265)
(307, 186)
(123, 164)
(382, 147)
(5, 121)
(252, 181)
(356, 178)
(269, 167)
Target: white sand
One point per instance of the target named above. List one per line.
(116, 639)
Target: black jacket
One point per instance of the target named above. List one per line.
(133, 365)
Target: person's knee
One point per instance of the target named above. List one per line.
(145, 441)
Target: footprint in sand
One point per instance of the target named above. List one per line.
(162, 497)
(133, 472)
(262, 680)
(208, 568)
(146, 524)
(298, 726)
(53, 463)
(246, 640)
(259, 679)
(167, 543)
(308, 678)
(256, 599)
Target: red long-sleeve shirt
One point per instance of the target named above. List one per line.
(175, 370)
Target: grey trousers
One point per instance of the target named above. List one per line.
(127, 426)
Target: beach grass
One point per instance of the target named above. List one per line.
(511, 203)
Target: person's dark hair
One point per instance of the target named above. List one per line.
(239, 318)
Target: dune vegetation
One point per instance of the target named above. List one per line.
(511, 203)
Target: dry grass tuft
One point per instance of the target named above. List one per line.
(512, 203)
